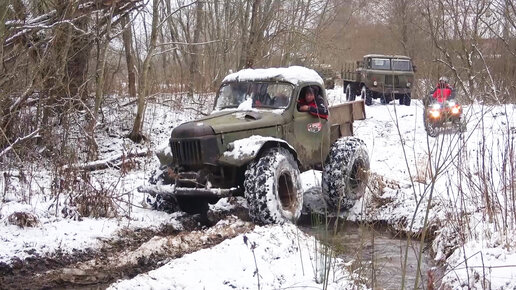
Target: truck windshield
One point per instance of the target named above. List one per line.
(254, 95)
(401, 64)
(381, 63)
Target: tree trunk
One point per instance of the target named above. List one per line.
(244, 36)
(143, 90)
(101, 65)
(3, 33)
(77, 66)
(194, 50)
(127, 37)
(99, 90)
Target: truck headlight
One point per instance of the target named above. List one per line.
(375, 83)
(408, 84)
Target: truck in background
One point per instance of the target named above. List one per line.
(387, 77)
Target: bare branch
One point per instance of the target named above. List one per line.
(20, 140)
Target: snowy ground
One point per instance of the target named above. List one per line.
(283, 256)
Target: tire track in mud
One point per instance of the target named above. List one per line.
(128, 254)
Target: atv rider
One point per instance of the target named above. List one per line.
(312, 102)
(443, 91)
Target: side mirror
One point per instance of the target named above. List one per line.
(414, 68)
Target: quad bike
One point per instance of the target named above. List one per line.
(440, 116)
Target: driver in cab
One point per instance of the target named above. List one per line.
(311, 102)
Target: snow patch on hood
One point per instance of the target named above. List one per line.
(247, 147)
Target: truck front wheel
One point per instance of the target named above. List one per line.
(345, 173)
(273, 188)
(157, 201)
(366, 95)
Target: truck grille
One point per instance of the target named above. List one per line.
(395, 81)
(187, 152)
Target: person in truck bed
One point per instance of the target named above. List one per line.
(311, 102)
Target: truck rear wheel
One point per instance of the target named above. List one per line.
(366, 95)
(345, 173)
(408, 98)
(273, 188)
(404, 99)
(350, 93)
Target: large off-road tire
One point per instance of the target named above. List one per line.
(366, 95)
(345, 173)
(405, 99)
(273, 188)
(161, 176)
(350, 93)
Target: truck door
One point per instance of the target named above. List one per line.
(310, 136)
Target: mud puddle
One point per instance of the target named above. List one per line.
(376, 256)
(124, 256)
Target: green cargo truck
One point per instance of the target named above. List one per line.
(386, 77)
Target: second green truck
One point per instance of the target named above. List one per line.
(387, 77)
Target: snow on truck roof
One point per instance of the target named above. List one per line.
(293, 74)
(388, 56)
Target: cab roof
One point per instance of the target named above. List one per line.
(292, 74)
(387, 56)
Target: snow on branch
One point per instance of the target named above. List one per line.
(111, 162)
(47, 21)
(19, 140)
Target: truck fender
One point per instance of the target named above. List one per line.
(164, 154)
(241, 152)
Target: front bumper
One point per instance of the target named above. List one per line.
(172, 190)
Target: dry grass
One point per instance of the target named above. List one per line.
(23, 219)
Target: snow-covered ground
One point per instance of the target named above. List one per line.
(478, 248)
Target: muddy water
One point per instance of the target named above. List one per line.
(376, 256)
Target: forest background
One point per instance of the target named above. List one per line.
(60, 59)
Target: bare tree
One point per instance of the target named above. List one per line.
(45, 56)
(463, 34)
(136, 134)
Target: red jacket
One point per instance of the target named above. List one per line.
(442, 94)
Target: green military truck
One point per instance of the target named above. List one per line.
(257, 149)
(386, 77)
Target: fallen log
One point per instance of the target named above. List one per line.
(113, 162)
